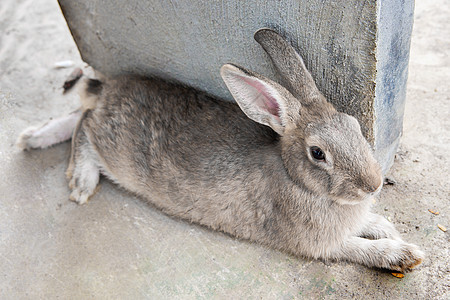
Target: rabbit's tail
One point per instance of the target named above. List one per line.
(90, 92)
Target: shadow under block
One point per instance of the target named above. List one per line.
(357, 51)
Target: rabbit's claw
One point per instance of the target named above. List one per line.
(383, 253)
(408, 258)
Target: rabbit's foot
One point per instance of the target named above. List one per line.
(84, 181)
(53, 132)
(28, 139)
(408, 258)
(83, 171)
(84, 177)
(383, 253)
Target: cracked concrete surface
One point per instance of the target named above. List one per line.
(116, 246)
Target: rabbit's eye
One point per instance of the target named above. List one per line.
(317, 153)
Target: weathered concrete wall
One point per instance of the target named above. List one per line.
(347, 45)
(395, 20)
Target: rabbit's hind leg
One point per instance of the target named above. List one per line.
(83, 171)
(52, 132)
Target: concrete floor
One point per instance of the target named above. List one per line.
(118, 247)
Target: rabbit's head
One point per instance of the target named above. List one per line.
(323, 150)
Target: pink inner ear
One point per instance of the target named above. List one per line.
(265, 100)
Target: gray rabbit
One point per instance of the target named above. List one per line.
(281, 167)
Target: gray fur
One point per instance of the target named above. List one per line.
(205, 161)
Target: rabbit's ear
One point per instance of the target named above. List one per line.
(261, 99)
(290, 65)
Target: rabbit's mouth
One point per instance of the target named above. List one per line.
(348, 201)
(355, 198)
(352, 194)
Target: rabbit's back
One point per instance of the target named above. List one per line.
(153, 122)
(185, 150)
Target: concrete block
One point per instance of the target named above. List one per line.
(357, 51)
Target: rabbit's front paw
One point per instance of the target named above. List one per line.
(381, 253)
(407, 257)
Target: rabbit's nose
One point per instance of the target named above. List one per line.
(377, 190)
(376, 187)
